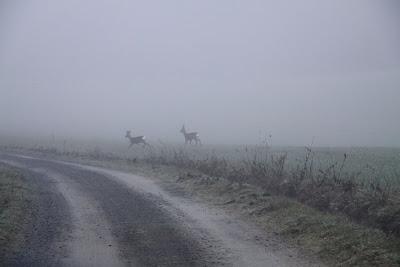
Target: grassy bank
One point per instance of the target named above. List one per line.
(335, 239)
(15, 197)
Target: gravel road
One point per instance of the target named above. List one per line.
(91, 216)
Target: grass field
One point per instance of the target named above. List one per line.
(366, 162)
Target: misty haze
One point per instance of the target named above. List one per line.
(199, 133)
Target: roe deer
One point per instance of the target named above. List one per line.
(134, 140)
(189, 137)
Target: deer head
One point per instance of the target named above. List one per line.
(183, 130)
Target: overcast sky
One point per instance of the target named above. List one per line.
(232, 70)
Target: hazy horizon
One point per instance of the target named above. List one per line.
(235, 71)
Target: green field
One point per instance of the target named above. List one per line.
(367, 163)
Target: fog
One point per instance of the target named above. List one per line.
(232, 70)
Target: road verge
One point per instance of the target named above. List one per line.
(15, 197)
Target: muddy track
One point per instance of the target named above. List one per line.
(99, 217)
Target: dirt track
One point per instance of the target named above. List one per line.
(100, 217)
